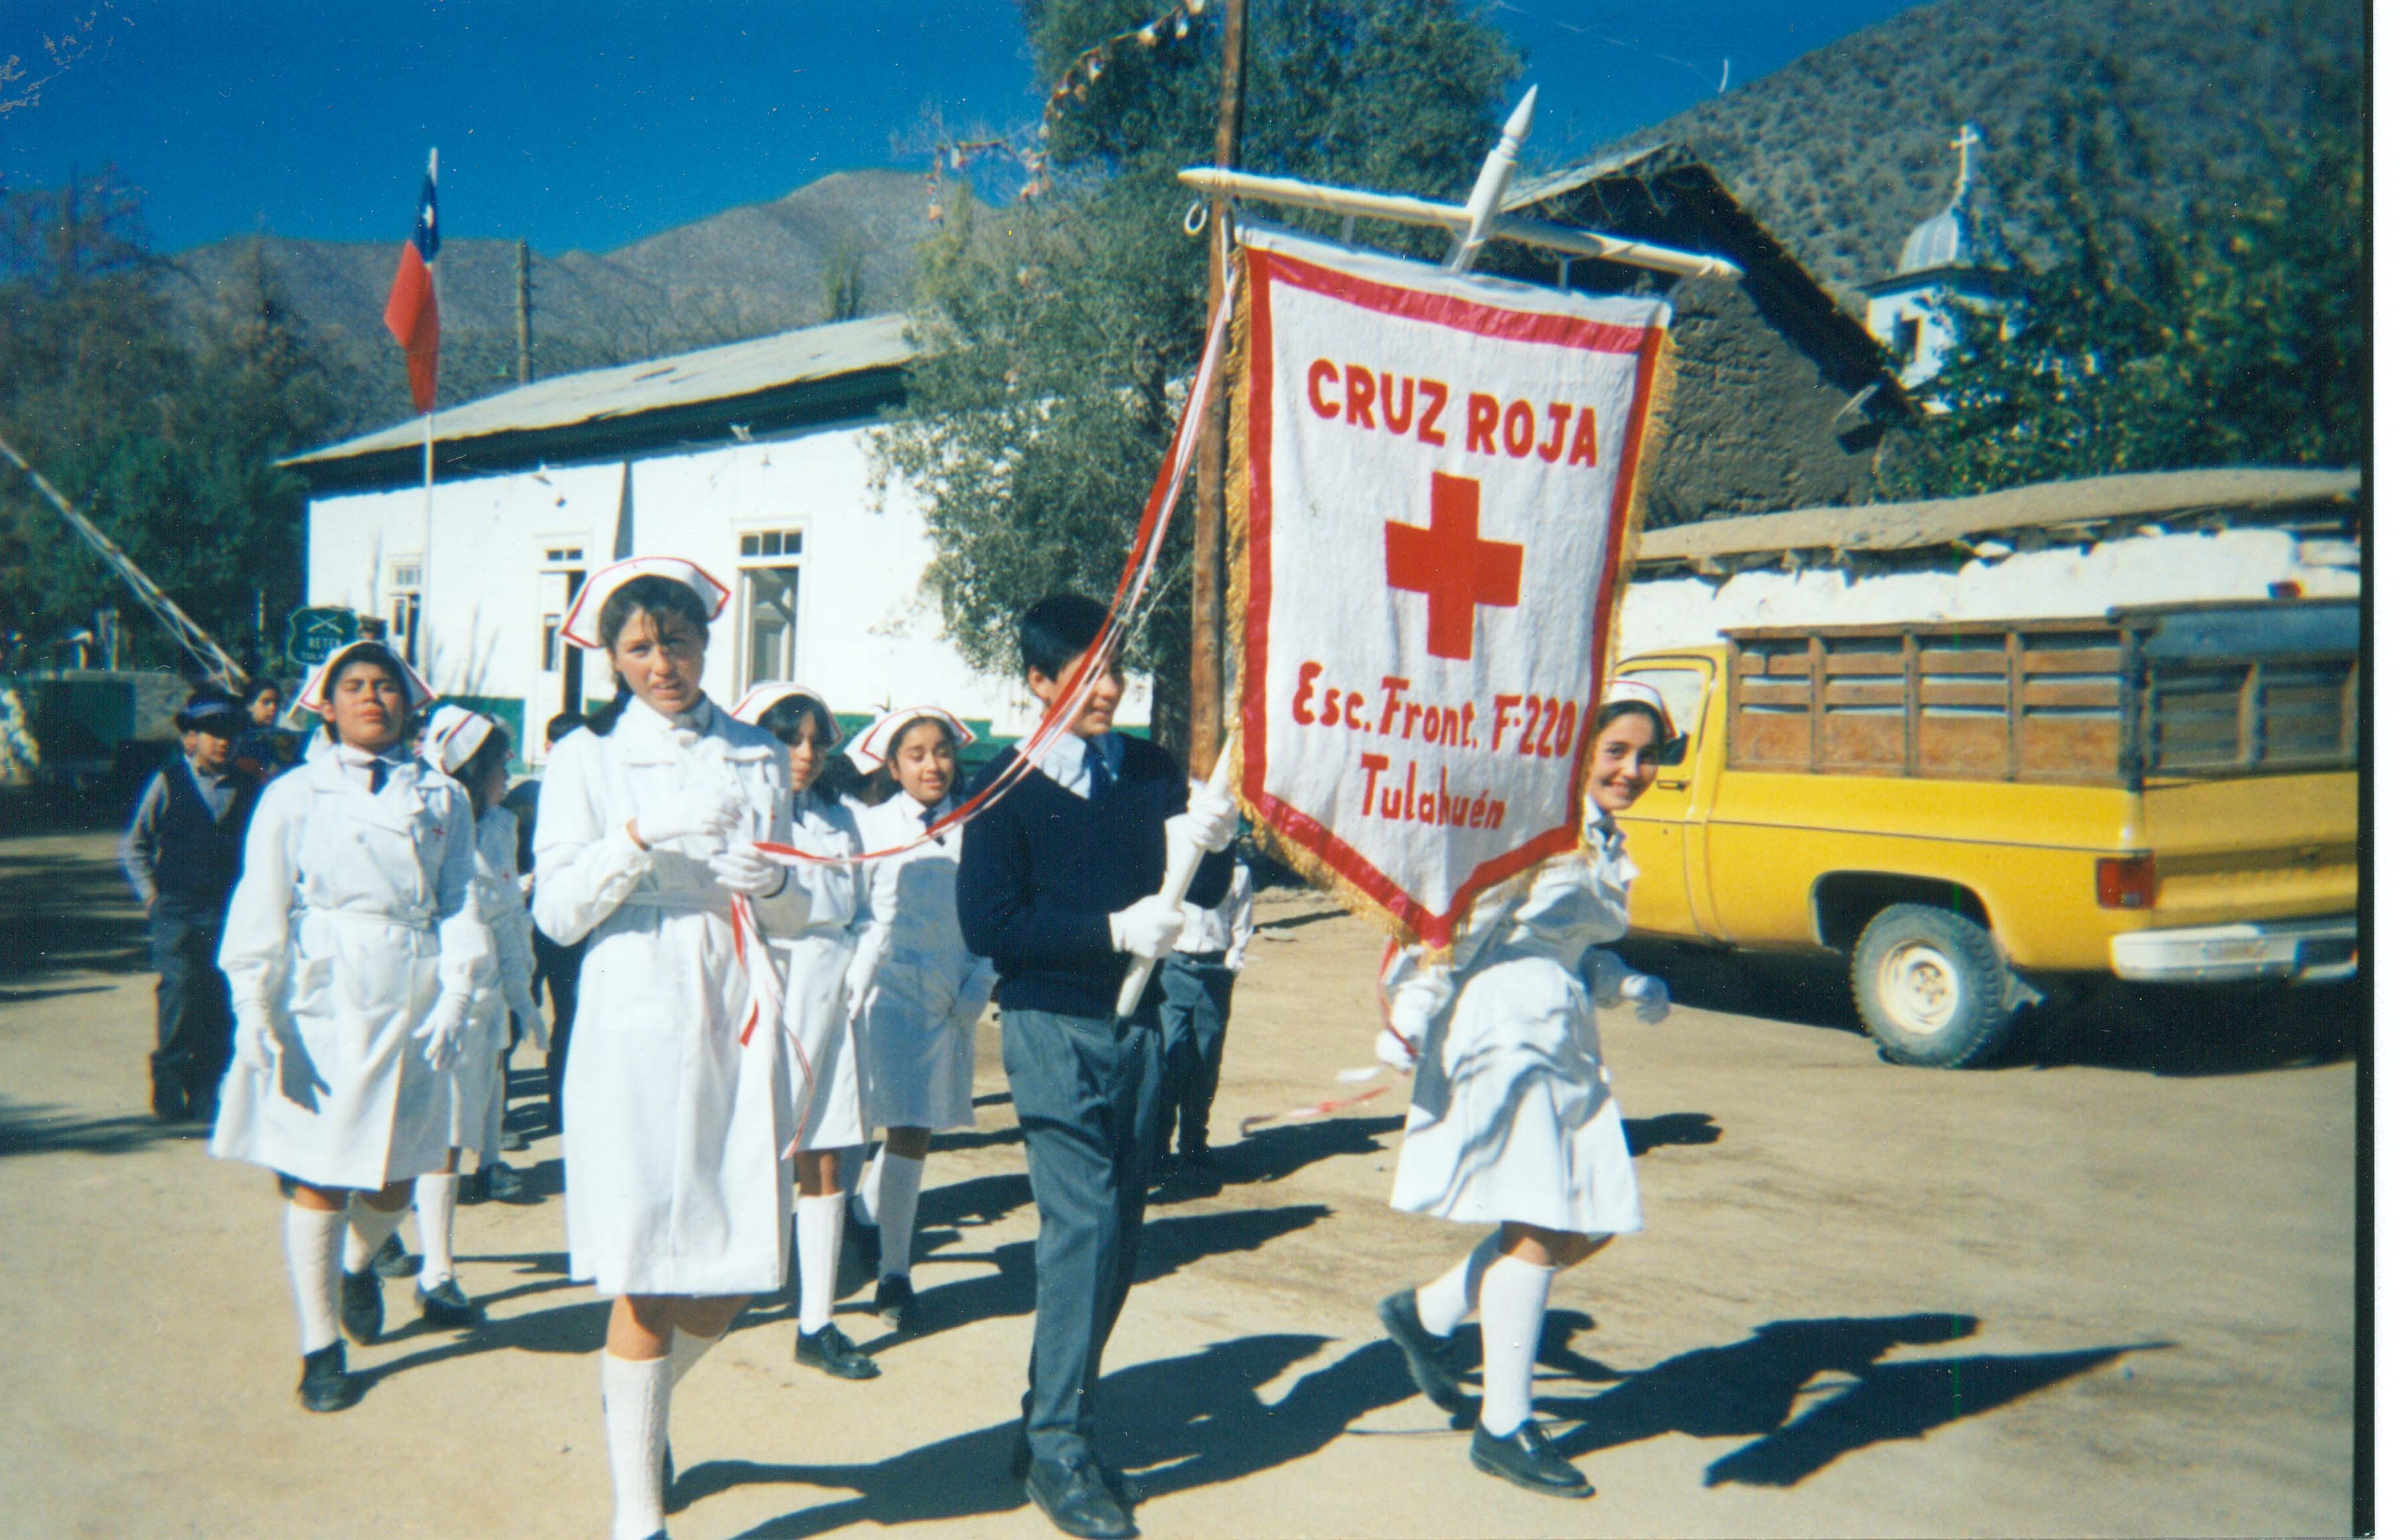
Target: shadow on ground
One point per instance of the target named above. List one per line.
(42, 1129)
(62, 915)
(1201, 1420)
(2100, 1023)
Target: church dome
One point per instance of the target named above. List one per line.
(1948, 239)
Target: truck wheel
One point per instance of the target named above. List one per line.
(1932, 987)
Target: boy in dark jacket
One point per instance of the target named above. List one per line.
(183, 854)
(1058, 886)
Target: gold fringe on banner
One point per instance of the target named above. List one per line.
(1303, 860)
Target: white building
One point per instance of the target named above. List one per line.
(756, 460)
(1945, 263)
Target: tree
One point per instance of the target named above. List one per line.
(165, 436)
(2227, 334)
(1057, 338)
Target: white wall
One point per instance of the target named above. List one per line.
(2061, 581)
(869, 637)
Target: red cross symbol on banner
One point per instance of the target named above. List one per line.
(1452, 566)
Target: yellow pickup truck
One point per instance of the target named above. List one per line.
(1974, 812)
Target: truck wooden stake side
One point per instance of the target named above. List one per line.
(1973, 812)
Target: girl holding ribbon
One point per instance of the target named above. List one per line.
(827, 1072)
(678, 1108)
(913, 983)
(473, 750)
(353, 947)
(1511, 1122)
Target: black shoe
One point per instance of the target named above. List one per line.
(325, 1383)
(516, 1142)
(362, 1306)
(1427, 1355)
(169, 1101)
(446, 1304)
(826, 1348)
(1526, 1458)
(506, 1183)
(895, 1302)
(475, 1187)
(393, 1261)
(1073, 1492)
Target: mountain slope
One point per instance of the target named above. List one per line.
(747, 271)
(1844, 150)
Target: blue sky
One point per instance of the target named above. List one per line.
(591, 124)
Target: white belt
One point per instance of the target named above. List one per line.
(680, 901)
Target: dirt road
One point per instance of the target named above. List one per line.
(2109, 1291)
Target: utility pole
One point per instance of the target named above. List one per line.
(1208, 495)
(524, 313)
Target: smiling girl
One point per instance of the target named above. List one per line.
(353, 946)
(914, 985)
(1511, 1122)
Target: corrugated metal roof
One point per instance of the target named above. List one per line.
(727, 372)
(2156, 495)
(1524, 194)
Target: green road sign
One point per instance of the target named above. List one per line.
(314, 633)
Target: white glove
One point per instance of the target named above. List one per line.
(858, 982)
(527, 1010)
(443, 1030)
(256, 1041)
(743, 869)
(1390, 1050)
(1647, 995)
(1148, 929)
(1209, 821)
(708, 809)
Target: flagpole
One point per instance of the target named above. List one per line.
(424, 633)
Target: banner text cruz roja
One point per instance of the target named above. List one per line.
(1363, 398)
(1532, 726)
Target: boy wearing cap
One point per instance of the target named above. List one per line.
(183, 853)
(1058, 885)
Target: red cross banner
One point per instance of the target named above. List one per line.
(1434, 490)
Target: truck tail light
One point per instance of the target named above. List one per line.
(2126, 881)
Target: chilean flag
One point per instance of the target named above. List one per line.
(412, 315)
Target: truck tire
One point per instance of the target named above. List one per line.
(1932, 987)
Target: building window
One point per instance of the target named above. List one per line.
(770, 605)
(1904, 337)
(407, 606)
(550, 644)
(771, 542)
(563, 553)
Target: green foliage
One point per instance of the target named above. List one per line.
(1057, 337)
(2232, 335)
(167, 445)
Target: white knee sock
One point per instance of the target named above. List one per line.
(437, 1210)
(312, 1247)
(865, 1179)
(1450, 1299)
(634, 1395)
(688, 1349)
(1516, 1294)
(896, 1210)
(816, 1253)
(370, 1227)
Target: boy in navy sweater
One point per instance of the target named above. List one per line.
(1058, 886)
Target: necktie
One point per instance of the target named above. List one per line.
(378, 771)
(1095, 770)
(931, 815)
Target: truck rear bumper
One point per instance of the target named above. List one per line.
(2309, 952)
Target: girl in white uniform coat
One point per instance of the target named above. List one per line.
(914, 983)
(473, 750)
(828, 1073)
(678, 1110)
(353, 947)
(1512, 1122)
